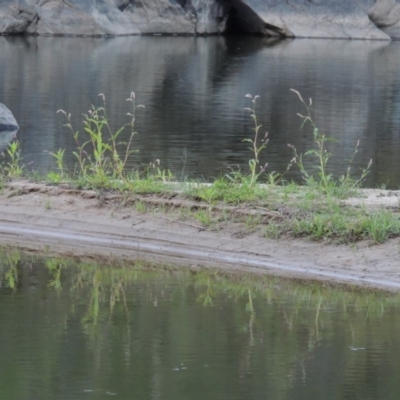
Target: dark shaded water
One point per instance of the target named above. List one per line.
(194, 91)
(80, 331)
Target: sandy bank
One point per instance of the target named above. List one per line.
(81, 223)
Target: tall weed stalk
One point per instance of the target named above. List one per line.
(324, 180)
(256, 145)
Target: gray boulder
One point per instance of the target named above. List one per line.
(8, 126)
(7, 120)
(385, 14)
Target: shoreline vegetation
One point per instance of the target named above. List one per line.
(319, 209)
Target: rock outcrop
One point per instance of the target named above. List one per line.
(344, 19)
(350, 19)
(386, 16)
(112, 17)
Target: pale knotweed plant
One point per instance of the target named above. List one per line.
(102, 157)
(257, 145)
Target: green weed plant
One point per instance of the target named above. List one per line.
(256, 145)
(323, 180)
(12, 166)
(102, 157)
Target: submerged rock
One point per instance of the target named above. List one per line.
(282, 18)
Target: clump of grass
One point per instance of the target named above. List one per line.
(140, 206)
(273, 230)
(204, 217)
(57, 177)
(323, 180)
(381, 226)
(156, 172)
(345, 225)
(12, 167)
(228, 191)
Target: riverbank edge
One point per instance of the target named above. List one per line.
(80, 223)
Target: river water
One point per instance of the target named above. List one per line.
(83, 331)
(194, 92)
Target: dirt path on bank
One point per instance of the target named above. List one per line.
(67, 222)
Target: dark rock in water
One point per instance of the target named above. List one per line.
(385, 14)
(7, 120)
(350, 19)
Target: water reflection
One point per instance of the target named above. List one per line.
(194, 89)
(77, 330)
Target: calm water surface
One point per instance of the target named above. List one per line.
(80, 331)
(194, 92)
